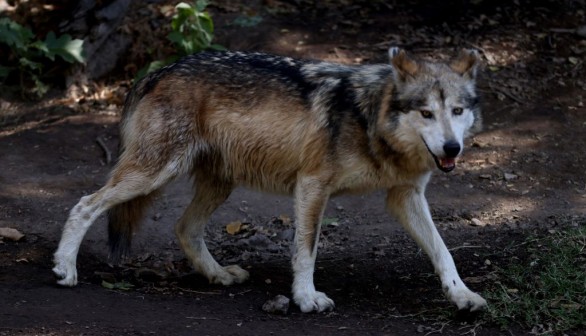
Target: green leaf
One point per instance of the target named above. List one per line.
(154, 66)
(149, 68)
(40, 88)
(175, 37)
(201, 5)
(42, 47)
(108, 285)
(14, 35)
(184, 6)
(25, 62)
(328, 221)
(179, 19)
(68, 49)
(217, 47)
(206, 23)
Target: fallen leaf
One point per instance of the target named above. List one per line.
(234, 227)
(571, 306)
(122, 285)
(329, 221)
(284, 219)
(10, 233)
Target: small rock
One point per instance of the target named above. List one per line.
(477, 222)
(10, 233)
(509, 177)
(277, 305)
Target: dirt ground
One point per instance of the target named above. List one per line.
(524, 174)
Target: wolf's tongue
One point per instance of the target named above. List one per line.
(448, 163)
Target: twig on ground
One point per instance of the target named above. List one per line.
(472, 330)
(464, 246)
(440, 330)
(507, 94)
(196, 292)
(104, 147)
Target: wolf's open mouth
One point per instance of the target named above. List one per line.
(445, 164)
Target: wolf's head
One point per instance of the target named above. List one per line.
(435, 105)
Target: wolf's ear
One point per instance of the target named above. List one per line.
(405, 66)
(466, 63)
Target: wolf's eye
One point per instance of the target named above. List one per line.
(457, 110)
(426, 114)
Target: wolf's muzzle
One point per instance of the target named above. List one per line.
(452, 149)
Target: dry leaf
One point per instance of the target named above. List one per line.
(234, 227)
(10, 233)
(285, 219)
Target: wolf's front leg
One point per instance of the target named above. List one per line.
(310, 201)
(410, 207)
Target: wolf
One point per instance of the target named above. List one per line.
(307, 128)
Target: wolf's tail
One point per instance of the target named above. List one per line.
(123, 221)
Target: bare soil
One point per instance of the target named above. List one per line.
(523, 175)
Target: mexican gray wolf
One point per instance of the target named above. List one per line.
(310, 129)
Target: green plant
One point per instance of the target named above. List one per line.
(192, 32)
(28, 56)
(549, 290)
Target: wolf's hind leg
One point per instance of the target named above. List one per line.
(209, 195)
(127, 182)
(412, 211)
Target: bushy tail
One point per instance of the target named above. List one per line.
(123, 220)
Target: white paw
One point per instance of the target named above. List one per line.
(230, 275)
(466, 299)
(66, 272)
(313, 301)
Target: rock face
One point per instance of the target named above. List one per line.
(97, 23)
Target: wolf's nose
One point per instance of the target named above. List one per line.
(452, 149)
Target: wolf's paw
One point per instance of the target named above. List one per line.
(314, 301)
(466, 300)
(230, 275)
(65, 272)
